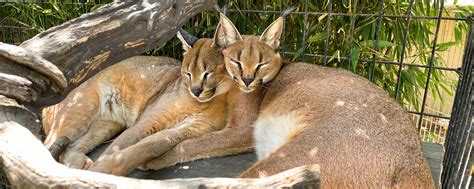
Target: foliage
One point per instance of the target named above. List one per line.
(24, 20)
(354, 52)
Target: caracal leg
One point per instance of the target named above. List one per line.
(124, 161)
(227, 141)
(100, 131)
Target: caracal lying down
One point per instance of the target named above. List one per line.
(310, 114)
(154, 98)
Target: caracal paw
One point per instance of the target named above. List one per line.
(111, 164)
(159, 163)
(77, 161)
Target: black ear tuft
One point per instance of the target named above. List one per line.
(288, 11)
(222, 10)
(190, 39)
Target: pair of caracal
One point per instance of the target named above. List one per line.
(298, 113)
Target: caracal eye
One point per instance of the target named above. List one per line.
(188, 74)
(261, 64)
(236, 63)
(206, 74)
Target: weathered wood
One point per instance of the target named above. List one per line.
(83, 46)
(35, 62)
(25, 75)
(12, 112)
(29, 165)
(17, 87)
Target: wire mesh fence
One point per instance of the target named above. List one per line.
(395, 45)
(411, 48)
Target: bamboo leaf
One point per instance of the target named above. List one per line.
(382, 44)
(317, 37)
(355, 57)
(445, 46)
(409, 77)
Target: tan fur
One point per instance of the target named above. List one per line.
(148, 95)
(359, 136)
(264, 68)
(243, 107)
(236, 137)
(250, 48)
(352, 129)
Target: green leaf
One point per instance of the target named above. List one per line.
(298, 54)
(335, 55)
(382, 44)
(445, 46)
(446, 88)
(56, 7)
(46, 11)
(409, 77)
(355, 57)
(317, 37)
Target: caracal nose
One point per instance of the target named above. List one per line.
(247, 81)
(196, 91)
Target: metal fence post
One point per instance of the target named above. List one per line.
(458, 156)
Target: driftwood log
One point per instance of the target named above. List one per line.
(29, 165)
(44, 69)
(85, 45)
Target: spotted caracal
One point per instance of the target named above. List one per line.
(310, 114)
(151, 97)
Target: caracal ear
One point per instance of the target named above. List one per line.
(226, 33)
(186, 39)
(272, 35)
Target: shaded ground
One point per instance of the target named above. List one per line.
(232, 166)
(228, 166)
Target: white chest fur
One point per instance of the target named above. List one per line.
(271, 132)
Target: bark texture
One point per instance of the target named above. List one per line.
(28, 164)
(83, 46)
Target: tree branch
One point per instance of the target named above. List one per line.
(85, 45)
(28, 164)
(25, 75)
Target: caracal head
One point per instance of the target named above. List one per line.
(202, 68)
(252, 60)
